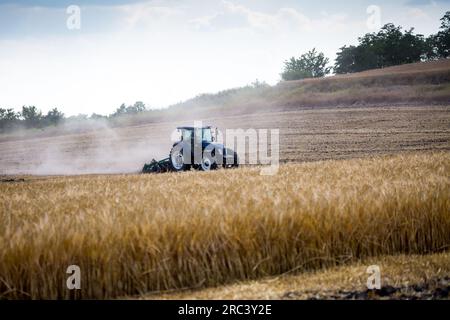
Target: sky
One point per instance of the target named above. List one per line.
(95, 56)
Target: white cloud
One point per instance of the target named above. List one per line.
(285, 19)
(203, 22)
(282, 18)
(145, 14)
(416, 13)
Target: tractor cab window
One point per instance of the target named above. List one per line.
(186, 135)
(207, 135)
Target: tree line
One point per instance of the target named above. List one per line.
(29, 117)
(32, 117)
(389, 46)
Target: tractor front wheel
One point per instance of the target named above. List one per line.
(176, 160)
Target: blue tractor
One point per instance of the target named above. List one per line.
(198, 149)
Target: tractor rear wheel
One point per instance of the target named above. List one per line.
(234, 164)
(236, 160)
(206, 164)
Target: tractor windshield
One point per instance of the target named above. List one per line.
(207, 136)
(198, 134)
(187, 135)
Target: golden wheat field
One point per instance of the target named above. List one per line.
(136, 234)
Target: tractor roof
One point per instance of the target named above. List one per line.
(192, 128)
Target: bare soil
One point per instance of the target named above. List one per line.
(307, 134)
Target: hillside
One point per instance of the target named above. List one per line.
(398, 109)
(417, 83)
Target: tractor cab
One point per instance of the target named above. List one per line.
(197, 134)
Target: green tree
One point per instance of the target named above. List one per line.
(32, 116)
(430, 52)
(8, 119)
(388, 47)
(345, 60)
(312, 64)
(120, 110)
(53, 117)
(442, 38)
(9, 114)
(138, 106)
(397, 47)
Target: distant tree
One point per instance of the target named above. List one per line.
(430, 52)
(31, 116)
(345, 60)
(442, 38)
(2, 113)
(53, 117)
(8, 119)
(312, 64)
(388, 47)
(409, 49)
(120, 110)
(9, 114)
(356, 58)
(138, 106)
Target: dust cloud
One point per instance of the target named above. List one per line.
(96, 146)
(98, 149)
